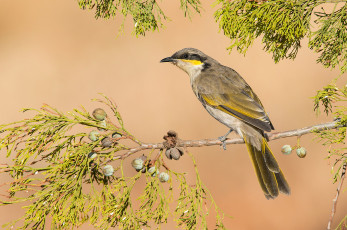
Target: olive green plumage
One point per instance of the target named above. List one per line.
(230, 100)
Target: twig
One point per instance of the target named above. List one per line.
(343, 173)
(210, 142)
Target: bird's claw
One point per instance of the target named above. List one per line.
(223, 139)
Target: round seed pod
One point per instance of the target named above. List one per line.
(102, 124)
(99, 114)
(152, 170)
(301, 152)
(106, 142)
(93, 135)
(137, 164)
(116, 135)
(175, 154)
(108, 170)
(286, 149)
(92, 155)
(168, 153)
(164, 177)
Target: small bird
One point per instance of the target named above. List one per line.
(228, 98)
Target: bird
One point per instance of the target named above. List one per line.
(228, 98)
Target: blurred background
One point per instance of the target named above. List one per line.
(52, 52)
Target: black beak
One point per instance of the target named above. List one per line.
(167, 59)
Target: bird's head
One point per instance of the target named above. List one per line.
(191, 60)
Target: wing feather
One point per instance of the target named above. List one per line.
(229, 93)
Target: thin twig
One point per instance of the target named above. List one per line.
(343, 173)
(210, 142)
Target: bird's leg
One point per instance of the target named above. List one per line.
(224, 138)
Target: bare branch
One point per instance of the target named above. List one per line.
(209, 142)
(343, 173)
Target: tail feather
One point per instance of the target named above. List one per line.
(270, 160)
(270, 176)
(257, 170)
(282, 183)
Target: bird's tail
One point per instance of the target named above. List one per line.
(269, 174)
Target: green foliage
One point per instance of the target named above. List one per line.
(281, 23)
(192, 207)
(186, 4)
(56, 176)
(334, 138)
(330, 40)
(328, 96)
(342, 224)
(146, 14)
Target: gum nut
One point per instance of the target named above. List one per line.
(102, 124)
(99, 114)
(301, 152)
(143, 157)
(181, 150)
(93, 135)
(168, 154)
(137, 164)
(106, 142)
(108, 170)
(164, 177)
(116, 135)
(152, 170)
(175, 154)
(92, 155)
(286, 149)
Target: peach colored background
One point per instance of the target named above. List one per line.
(53, 52)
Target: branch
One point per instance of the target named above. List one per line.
(343, 173)
(209, 142)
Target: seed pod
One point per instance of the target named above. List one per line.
(152, 170)
(92, 155)
(93, 135)
(106, 142)
(180, 150)
(143, 157)
(144, 169)
(108, 170)
(116, 135)
(164, 177)
(286, 149)
(137, 164)
(102, 124)
(175, 154)
(301, 152)
(168, 153)
(99, 114)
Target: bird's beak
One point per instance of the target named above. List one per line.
(167, 59)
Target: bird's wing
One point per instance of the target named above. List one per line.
(233, 96)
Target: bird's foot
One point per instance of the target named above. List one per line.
(223, 139)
